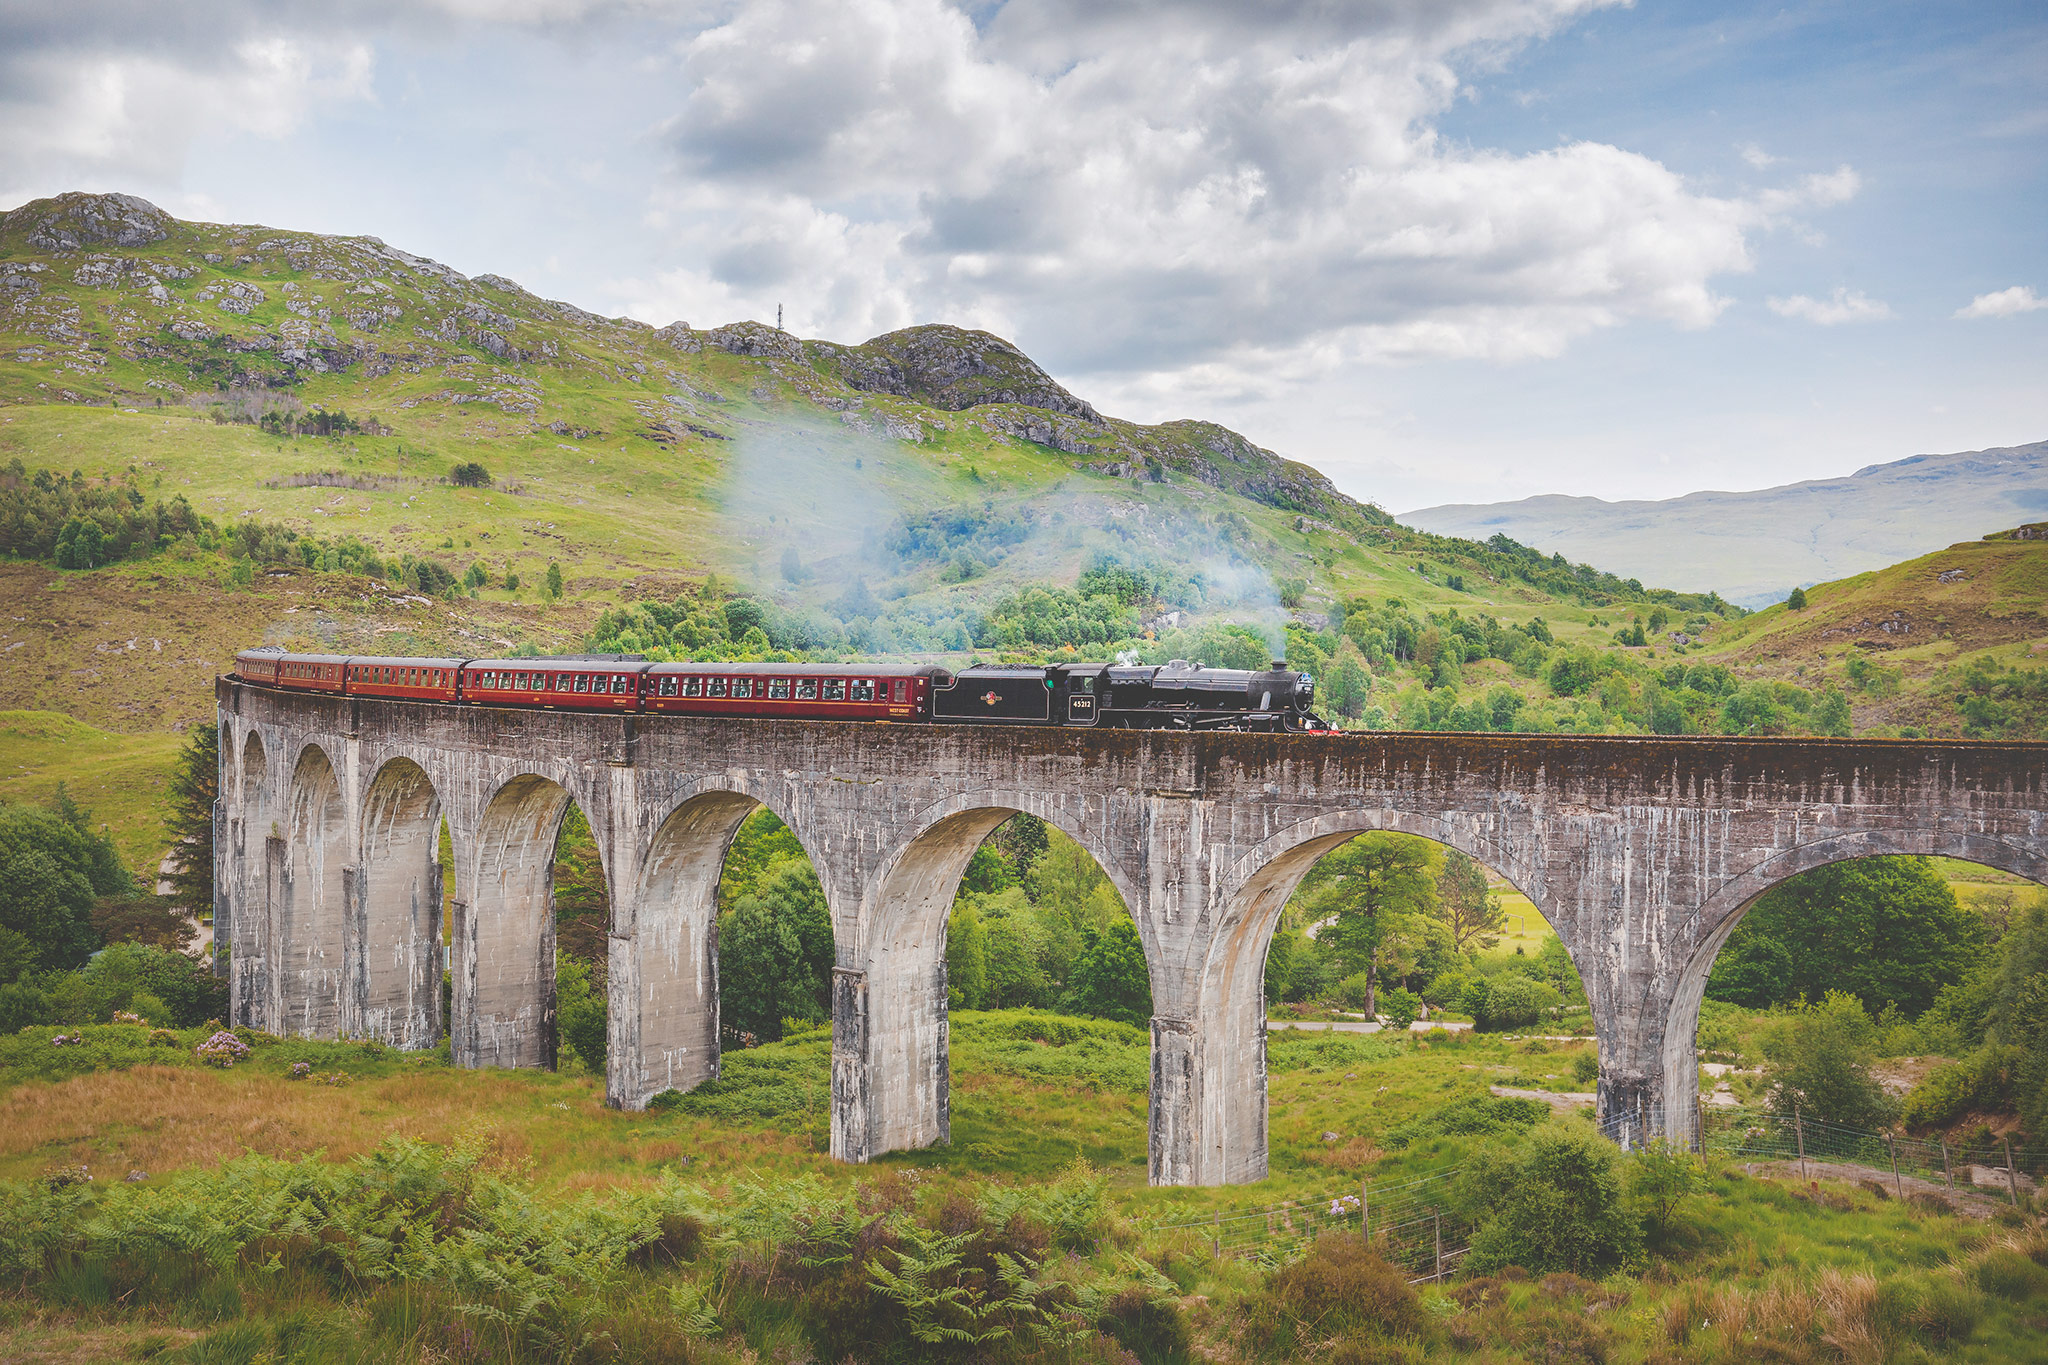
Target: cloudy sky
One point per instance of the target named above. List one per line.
(1446, 250)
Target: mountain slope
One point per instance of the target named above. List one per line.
(1755, 547)
(308, 397)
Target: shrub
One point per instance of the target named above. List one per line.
(1556, 1204)
(1819, 1059)
(1586, 1067)
(1148, 1324)
(470, 474)
(1981, 1081)
(1509, 1000)
(1399, 1007)
(223, 1050)
(1341, 1286)
(1662, 1180)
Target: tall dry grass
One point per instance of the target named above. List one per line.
(160, 1119)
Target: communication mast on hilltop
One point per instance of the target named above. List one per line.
(778, 317)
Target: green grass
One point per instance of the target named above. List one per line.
(121, 779)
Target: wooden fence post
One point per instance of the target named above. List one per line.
(1364, 1213)
(1216, 1238)
(1948, 1172)
(1437, 1217)
(2012, 1175)
(1799, 1136)
(1898, 1186)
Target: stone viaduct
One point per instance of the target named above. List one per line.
(1643, 853)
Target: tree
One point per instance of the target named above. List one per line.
(775, 954)
(552, 589)
(1471, 911)
(470, 474)
(1110, 979)
(1023, 840)
(52, 869)
(195, 786)
(151, 920)
(582, 1011)
(1347, 687)
(1818, 1064)
(987, 872)
(583, 903)
(1797, 601)
(1015, 978)
(1887, 930)
(966, 958)
(1370, 896)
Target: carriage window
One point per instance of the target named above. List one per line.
(863, 689)
(807, 689)
(743, 687)
(835, 689)
(714, 687)
(668, 687)
(582, 682)
(621, 684)
(693, 687)
(778, 689)
(902, 689)
(526, 681)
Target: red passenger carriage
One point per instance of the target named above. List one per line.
(802, 691)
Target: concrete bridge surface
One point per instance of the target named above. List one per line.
(1643, 853)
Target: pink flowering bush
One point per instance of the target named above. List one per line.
(223, 1050)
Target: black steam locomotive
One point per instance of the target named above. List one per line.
(1175, 696)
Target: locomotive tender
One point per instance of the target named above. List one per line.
(1175, 696)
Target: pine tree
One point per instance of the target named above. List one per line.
(195, 786)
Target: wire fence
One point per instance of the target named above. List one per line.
(1418, 1225)
(1996, 1168)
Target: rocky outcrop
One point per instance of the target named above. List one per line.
(754, 339)
(73, 222)
(951, 368)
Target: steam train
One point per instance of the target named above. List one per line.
(1175, 696)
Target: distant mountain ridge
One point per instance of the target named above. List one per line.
(1755, 547)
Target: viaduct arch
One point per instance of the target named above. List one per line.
(1643, 853)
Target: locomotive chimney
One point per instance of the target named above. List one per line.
(1279, 665)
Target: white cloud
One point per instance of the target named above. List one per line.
(1756, 156)
(1844, 305)
(2005, 303)
(1131, 189)
(85, 121)
(1156, 194)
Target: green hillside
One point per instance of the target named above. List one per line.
(213, 435)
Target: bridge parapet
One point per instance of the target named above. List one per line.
(1642, 853)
